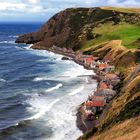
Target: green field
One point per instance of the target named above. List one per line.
(122, 9)
(128, 33)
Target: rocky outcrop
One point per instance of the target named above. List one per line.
(71, 27)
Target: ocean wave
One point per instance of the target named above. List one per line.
(42, 60)
(36, 79)
(74, 72)
(10, 128)
(45, 53)
(51, 53)
(75, 91)
(54, 88)
(28, 47)
(2, 80)
(13, 36)
(7, 42)
(56, 78)
(41, 107)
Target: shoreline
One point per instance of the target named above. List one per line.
(83, 122)
(83, 125)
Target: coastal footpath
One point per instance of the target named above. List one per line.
(107, 40)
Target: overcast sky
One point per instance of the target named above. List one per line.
(41, 10)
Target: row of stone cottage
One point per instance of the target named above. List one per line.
(95, 62)
(104, 94)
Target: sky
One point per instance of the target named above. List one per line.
(42, 10)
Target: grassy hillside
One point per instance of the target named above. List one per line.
(127, 130)
(77, 27)
(119, 42)
(123, 9)
(128, 33)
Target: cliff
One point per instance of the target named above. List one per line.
(72, 27)
(106, 32)
(122, 118)
(123, 112)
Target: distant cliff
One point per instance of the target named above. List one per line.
(72, 27)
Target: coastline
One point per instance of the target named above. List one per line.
(83, 125)
(115, 97)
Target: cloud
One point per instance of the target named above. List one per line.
(34, 1)
(124, 3)
(36, 8)
(12, 6)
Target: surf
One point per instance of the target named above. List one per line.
(42, 109)
(54, 88)
(77, 90)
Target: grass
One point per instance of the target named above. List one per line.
(128, 33)
(122, 9)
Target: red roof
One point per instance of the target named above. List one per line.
(102, 66)
(90, 59)
(103, 86)
(96, 103)
(95, 58)
(111, 75)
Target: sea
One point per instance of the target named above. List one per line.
(39, 92)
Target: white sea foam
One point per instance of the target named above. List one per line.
(77, 90)
(28, 47)
(54, 88)
(77, 71)
(51, 53)
(59, 59)
(14, 36)
(62, 117)
(59, 112)
(40, 79)
(8, 42)
(42, 60)
(41, 107)
(2, 80)
(37, 79)
(45, 53)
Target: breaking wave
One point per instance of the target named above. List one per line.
(28, 47)
(76, 91)
(7, 42)
(39, 79)
(2, 80)
(13, 36)
(41, 108)
(54, 88)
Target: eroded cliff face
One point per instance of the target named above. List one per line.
(124, 110)
(122, 119)
(65, 28)
(124, 59)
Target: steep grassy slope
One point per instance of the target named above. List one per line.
(123, 9)
(128, 33)
(126, 105)
(73, 27)
(127, 130)
(119, 54)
